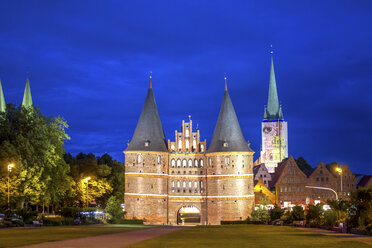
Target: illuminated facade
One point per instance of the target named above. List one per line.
(180, 181)
(274, 129)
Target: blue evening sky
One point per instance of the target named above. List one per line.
(89, 61)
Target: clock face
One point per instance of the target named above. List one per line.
(267, 129)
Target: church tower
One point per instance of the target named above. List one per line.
(274, 129)
(27, 99)
(146, 167)
(2, 99)
(230, 175)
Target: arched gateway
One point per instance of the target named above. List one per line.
(188, 215)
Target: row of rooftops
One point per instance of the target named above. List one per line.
(362, 180)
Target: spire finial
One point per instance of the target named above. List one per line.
(189, 117)
(150, 85)
(225, 82)
(271, 49)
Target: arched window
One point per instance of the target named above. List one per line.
(201, 187)
(184, 163)
(178, 186)
(173, 163)
(195, 163)
(172, 147)
(139, 158)
(194, 144)
(187, 133)
(179, 145)
(187, 144)
(196, 187)
(172, 186)
(201, 163)
(190, 163)
(210, 161)
(202, 148)
(159, 159)
(190, 186)
(178, 162)
(184, 184)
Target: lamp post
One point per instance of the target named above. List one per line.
(339, 170)
(86, 193)
(10, 167)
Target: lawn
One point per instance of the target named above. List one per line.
(20, 236)
(252, 236)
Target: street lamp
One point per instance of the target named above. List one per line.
(10, 167)
(339, 170)
(86, 193)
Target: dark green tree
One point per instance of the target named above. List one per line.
(298, 213)
(276, 213)
(314, 214)
(303, 165)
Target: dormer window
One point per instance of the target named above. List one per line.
(147, 143)
(225, 144)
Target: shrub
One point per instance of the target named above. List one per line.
(114, 209)
(276, 213)
(261, 214)
(298, 213)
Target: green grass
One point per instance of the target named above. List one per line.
(20, 236)
(252, 236)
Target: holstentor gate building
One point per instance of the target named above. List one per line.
(181, 181)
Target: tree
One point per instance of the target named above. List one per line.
(114, 209)
(314, 214)
(339, 209)
(34, 143)
(360, 211)
(303, 165)
(276, 213)
(261, 214)
(298, 213)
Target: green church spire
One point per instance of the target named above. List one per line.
(27, 99)
(273, 110)
(2, 100)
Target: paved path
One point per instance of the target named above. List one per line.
(115, 240)
(354, 237)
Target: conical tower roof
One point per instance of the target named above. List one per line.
(228, 136)
(272, 111)
(27, 99)
(2, 99)
(149, 134)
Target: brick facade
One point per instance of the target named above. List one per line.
(158, 185)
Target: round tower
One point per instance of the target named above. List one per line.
(146, 167)
(230, 174)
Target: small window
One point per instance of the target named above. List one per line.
(201, 162)
(184, 163)
(196, 163)
(178, 163)
(190, 163)
(195, 187)
(227, 160)
(225, 144)
(159, 159)
(139, 158)
(147, 143)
